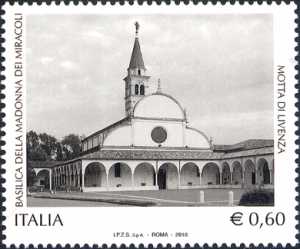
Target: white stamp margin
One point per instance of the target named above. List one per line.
(204, 224)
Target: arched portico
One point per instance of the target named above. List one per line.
(167, 176)
(120, 175)
(95, 175)
(249, 173)
(226, 177)
(43, 178)
(31, 177)
(189, 175)
(210, 174)
(263, 172)
(144, 175)
(237, 173)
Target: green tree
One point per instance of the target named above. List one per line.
(59, 152)
(71, 146)
(33, 147)
(49, 145)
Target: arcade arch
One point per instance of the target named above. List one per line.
(226, 178)
(167, 176)
(43, 178)
(263, 174)
(249, 175)
(210, 174)
(95, 175)
(189, 175)
(237, 173)
(120, 175)
(144, 175)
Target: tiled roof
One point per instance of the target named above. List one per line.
(118, 123)
(253, 152)
(151, 155)
(136, 60)
(42, 164)
(243, 149)
(245, 145)
(122, 154)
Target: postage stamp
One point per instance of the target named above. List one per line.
(150, 124)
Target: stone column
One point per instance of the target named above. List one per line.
(82, 180)
(50, 179)
(107, 180)
(243, 176)
(231, 177)
(200, 177)
(54, 180)
(66, 179)
(78, 176)
(72, 176)
(132, 179)
(60, 178)
(221, 178)
(257, 177)
(271, 176)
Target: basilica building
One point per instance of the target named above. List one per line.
(154, 147)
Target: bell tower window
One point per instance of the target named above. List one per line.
(136, 89)
(139, 72)
(142, 90)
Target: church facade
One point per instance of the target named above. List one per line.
(156, 148)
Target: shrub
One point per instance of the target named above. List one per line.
(257, 198)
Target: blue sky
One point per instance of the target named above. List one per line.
(219, 67)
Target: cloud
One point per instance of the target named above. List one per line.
(46, 60)
(68, 65)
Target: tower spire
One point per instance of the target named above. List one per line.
(136, 60)
(136, 81)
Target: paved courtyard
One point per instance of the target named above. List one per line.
(190, 197)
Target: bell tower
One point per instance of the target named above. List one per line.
(136, 81)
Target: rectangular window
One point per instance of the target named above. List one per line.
(117, 170)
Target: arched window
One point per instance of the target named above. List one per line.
(142, 90)
(139, 72)
(136, 89)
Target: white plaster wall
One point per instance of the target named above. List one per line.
(124, 180)
(120, 136)
(143, 128)
(143, 174)
(156, 106)
(195, 139)
(189, 174)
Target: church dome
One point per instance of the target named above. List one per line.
(158, 105)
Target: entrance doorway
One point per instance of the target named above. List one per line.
(253, 178)
(162, 178)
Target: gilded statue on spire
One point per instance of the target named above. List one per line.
(158, 86)
(137, 26)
